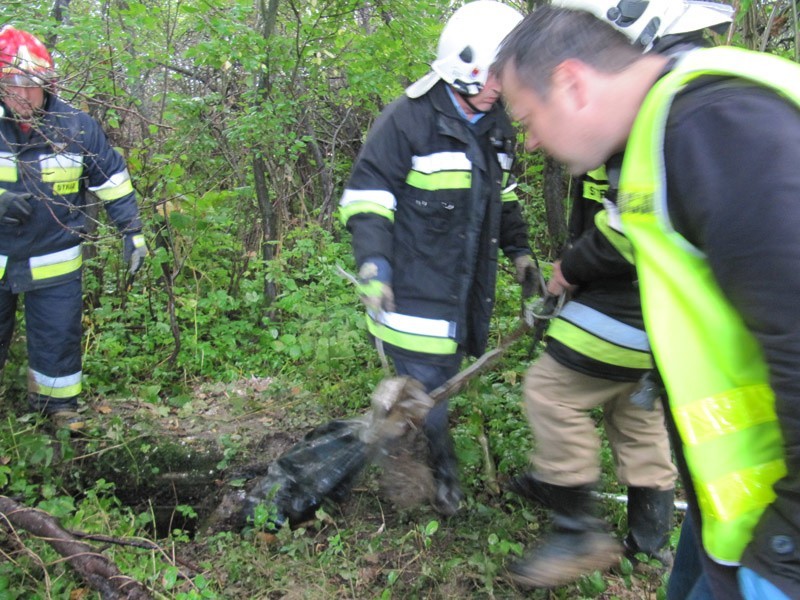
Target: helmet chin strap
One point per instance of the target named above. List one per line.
(472, 107)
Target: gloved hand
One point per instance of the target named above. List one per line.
(527, 275)
(15, 209)
(377, 295)
(134, 250)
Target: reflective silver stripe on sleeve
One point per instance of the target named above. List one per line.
(380, 197)
(605, 327)
(116, 180)
(505, 160)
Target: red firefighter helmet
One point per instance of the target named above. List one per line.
(24, 61)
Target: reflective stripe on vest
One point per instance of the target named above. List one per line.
(3, 263)
(601, 337)
(56, 263)
(378, 202)
(418, 334)
(713, 368)
(54, 387)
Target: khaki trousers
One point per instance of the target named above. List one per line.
(567, 443)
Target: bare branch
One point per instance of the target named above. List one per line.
(98, 571)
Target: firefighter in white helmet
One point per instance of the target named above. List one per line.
(429, 204)
(598, 353)
(51, 154)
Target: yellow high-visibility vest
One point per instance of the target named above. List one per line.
(713, 368)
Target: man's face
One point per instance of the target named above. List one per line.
(23, 101)
(489, 94)
(483, 100)
(555, 124)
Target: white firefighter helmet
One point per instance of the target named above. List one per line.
(468, 46)
(644, 21)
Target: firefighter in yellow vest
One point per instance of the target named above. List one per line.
(597, 353)
(710, 199)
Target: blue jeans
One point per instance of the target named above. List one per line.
(686, 580)
(755, 587)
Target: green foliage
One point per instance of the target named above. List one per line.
(241, 284)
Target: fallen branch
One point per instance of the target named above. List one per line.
(137, 543)
(99, 572)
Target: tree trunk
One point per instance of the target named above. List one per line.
(554, 194)
(268, 13)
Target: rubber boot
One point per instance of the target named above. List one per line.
(62, 412)
(578, 545)
(528, 487)
(650, 513)
(444, 465)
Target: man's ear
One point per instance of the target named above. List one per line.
(570, 78)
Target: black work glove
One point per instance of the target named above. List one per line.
(15, 209)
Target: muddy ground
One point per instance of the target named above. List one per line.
(214, 447)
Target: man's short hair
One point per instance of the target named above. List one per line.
(550, 35)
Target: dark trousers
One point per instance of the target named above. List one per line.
(430, 376)
(53, 332)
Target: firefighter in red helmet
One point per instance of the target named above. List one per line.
(51, 155)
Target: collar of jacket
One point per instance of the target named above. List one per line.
(444, 106)
(452, 124)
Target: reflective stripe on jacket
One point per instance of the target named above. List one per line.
(433, 195)
(713, 368)
(590, 335)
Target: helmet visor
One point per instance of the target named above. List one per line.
(17, 79)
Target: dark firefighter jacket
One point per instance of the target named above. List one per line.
(64, 154)
(431, 193)
(601, 331)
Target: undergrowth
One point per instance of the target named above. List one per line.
(310, 351)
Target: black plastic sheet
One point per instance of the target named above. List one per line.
(325, 464)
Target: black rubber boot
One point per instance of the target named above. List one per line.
(578, 545)
(650, 513)
(537, 492)
(62, 412)
(444, 465)
(48, 405)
